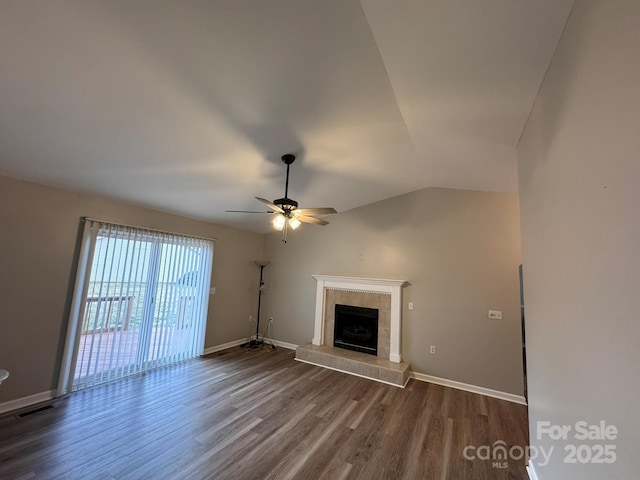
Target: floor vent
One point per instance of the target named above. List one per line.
(34, 411)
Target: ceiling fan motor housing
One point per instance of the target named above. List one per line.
(286, 204)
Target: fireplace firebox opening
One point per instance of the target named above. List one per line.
(356, 328)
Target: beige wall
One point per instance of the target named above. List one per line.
(38, 228)
(460, 250)
(579, 169)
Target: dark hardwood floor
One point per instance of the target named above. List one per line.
(261, 415)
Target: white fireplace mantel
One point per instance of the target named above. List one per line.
(358, 284)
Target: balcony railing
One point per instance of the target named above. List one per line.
(120, 304)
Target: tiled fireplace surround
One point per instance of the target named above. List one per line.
(384, 295)
(379, 301)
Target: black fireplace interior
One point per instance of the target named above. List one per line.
(356, 328)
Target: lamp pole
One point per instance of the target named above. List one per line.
(261, 264)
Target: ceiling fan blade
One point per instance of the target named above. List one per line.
(271, 205)
(245, 211)
(315, 221)
(316, 211)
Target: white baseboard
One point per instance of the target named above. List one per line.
(510, 397)
(19, 403)
(224, 346)
(532, 473)
(235, 343)
(278, 343)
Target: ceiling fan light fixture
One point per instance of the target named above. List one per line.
(294, 223)
(279, 222)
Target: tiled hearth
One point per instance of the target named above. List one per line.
(383, 295)
(356, 363)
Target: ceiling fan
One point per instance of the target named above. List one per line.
(286, 211)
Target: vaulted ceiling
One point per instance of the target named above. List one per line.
(187, 106)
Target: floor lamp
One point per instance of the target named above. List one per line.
(257, 342)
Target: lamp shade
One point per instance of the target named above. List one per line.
(279, 222)
(294, 223)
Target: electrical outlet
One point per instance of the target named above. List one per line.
(495, 314)
(432, 349)
(410, 305)
(212, 291)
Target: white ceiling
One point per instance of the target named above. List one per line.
(187, 106)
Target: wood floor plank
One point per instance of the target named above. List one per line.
(259, 414)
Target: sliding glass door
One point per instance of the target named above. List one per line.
(140, 302)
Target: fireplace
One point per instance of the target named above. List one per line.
(383, 294)
(367, 310)
(356, 328)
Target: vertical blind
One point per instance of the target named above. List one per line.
(140, 302)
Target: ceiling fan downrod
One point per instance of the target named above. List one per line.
(288, 159)
(286, 203)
